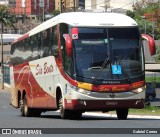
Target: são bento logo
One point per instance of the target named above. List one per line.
(45, 69)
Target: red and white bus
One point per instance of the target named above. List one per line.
(78, 62)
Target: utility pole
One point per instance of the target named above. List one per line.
(60, 6)
(74, 6)
(2, 67)
(23, 5)
(43, 12)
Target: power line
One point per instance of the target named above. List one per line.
(125, 5)
(114, 8)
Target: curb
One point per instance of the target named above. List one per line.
(115, 116)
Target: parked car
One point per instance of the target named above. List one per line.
(150, 92)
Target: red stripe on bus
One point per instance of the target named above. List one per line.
(118, 88)
(21, 38)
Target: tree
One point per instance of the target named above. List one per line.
(56, 12)
(6, 17)
(152, 8)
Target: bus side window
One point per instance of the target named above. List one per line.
(34, 41)
(20, 54)
(46, 42)
(40, 38)
(27, 50)
(13, 54)
(54, 41)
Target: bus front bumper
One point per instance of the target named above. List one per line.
(103, 105)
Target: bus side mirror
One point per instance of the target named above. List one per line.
(68, 44)
(151, 44)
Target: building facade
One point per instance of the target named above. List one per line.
(68, 5)
(32, 7)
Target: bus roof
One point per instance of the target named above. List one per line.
(96, 19)
(85, 19)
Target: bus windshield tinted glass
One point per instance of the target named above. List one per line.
(121, 46)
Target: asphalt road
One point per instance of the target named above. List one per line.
(10, 118)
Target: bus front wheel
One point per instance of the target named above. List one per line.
(65, 114)
(122, 113)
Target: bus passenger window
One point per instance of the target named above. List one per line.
(45, 42)
(13, 54)
(54, 41)
(27, 50)
(35, 44)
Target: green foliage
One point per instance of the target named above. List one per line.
(152, 79)
(130, 14)
(148, 110)
(139, 9)
(6, 16)
(157, 57)
(56, 12)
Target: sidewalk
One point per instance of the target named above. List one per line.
(7, 87)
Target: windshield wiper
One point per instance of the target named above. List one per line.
(125, 74)
(105, 63)
(95, 67)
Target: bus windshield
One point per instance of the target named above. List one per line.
(108, 53)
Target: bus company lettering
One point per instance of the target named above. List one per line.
(104, 89)
(45, 69)
(118, 89)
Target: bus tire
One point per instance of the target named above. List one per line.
(26, 109)
(65, 114)
(122, 114)
(21, 107)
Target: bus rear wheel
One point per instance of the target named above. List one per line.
(122, 113)
(21, 107)
(24, 109)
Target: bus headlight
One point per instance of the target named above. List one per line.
(84, 91)
(139, 90)
(80, 90)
